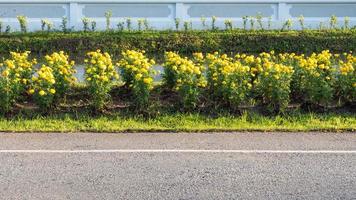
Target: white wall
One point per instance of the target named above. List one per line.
(161, 13)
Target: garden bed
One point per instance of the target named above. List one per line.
(222, 80)
(211, 81)
(164, 115)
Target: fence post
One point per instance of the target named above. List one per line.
(74, 15)
(180, 11)
(283, 12)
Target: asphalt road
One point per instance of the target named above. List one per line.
(178, 166)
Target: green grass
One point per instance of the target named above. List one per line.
(182, 123)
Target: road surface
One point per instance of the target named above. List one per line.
(178, 166)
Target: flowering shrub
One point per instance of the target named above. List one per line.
(15, 75)
(63, 72)
(346, 78)
(43, 87)
(9, 90)
(315, 77)
(273, 85)
(99, 75)
(228, 79)
(185, 77)
(136, 71)
(21, 68)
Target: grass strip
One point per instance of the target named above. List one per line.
(183, 123)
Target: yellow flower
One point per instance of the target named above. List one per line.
(138, 76)
(147, 80)
(52, 91)
(105, 78)
(5, 73)
(31, 91)
(41, 93)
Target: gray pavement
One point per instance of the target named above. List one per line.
(327, 173)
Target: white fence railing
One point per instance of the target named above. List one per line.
(161, 13)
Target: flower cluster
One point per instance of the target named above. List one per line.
(136, 71)
(273, 85)
(314, 75)
(43, 87)
(20, 68)
(185, 76)
(346, 78)
(63, 71)
(16, 73)
(228, 79)
(99, 75)
(271, 76)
